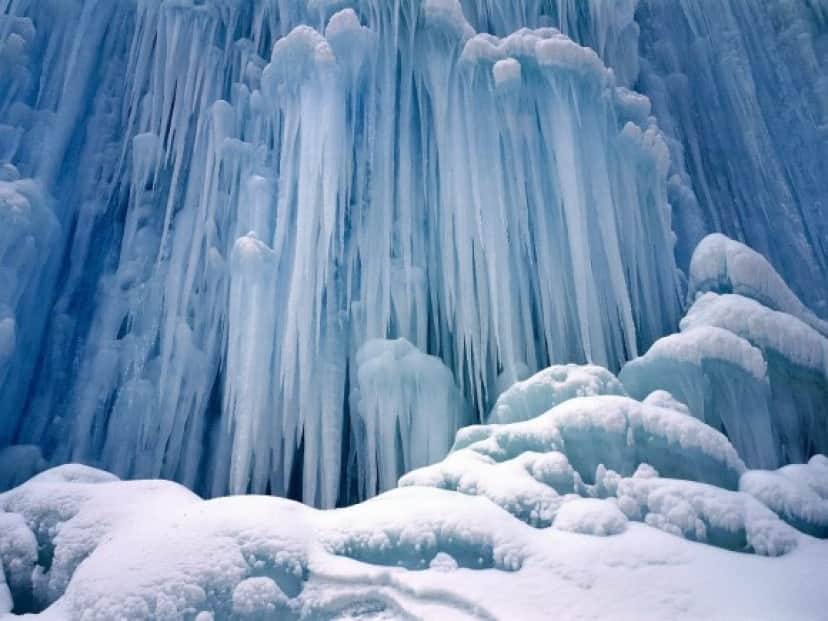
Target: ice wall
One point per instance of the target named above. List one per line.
(741, 89)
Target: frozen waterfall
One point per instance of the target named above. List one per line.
(208, 208)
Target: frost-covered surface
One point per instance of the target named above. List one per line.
(548, 387)
(77, 543)
(797, 360)
(721, 378)
(722, 265)
(797, 492)
(581, 447)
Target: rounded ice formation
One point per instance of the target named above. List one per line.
(548, 387)
(591, 516)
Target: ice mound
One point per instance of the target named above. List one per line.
(700, 512)
(406, 410)
(582, 447)
(721, 378)
(547, 388)
(750, 360)
(722, 265)
(591, 516)
(798, 493)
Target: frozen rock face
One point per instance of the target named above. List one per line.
(250, 192)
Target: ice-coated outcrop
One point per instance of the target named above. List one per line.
(751, 359)
(721, 378)
(722, 265)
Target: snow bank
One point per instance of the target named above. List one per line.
(798, 493)
(582, 447)
(591, 516)
(699, 512)
(77, 543)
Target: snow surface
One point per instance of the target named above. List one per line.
(79, 544)
(548, 387)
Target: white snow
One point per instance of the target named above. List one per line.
(548, 387)
(591, 516)
(722, 265)
(157, 552)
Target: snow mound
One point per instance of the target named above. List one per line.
(772, 331)
(549, 387)
(722, 265)
(699, 512)
(798, 493)
(721, 378)
(582, 447)
(79, 544)
(591, 516)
